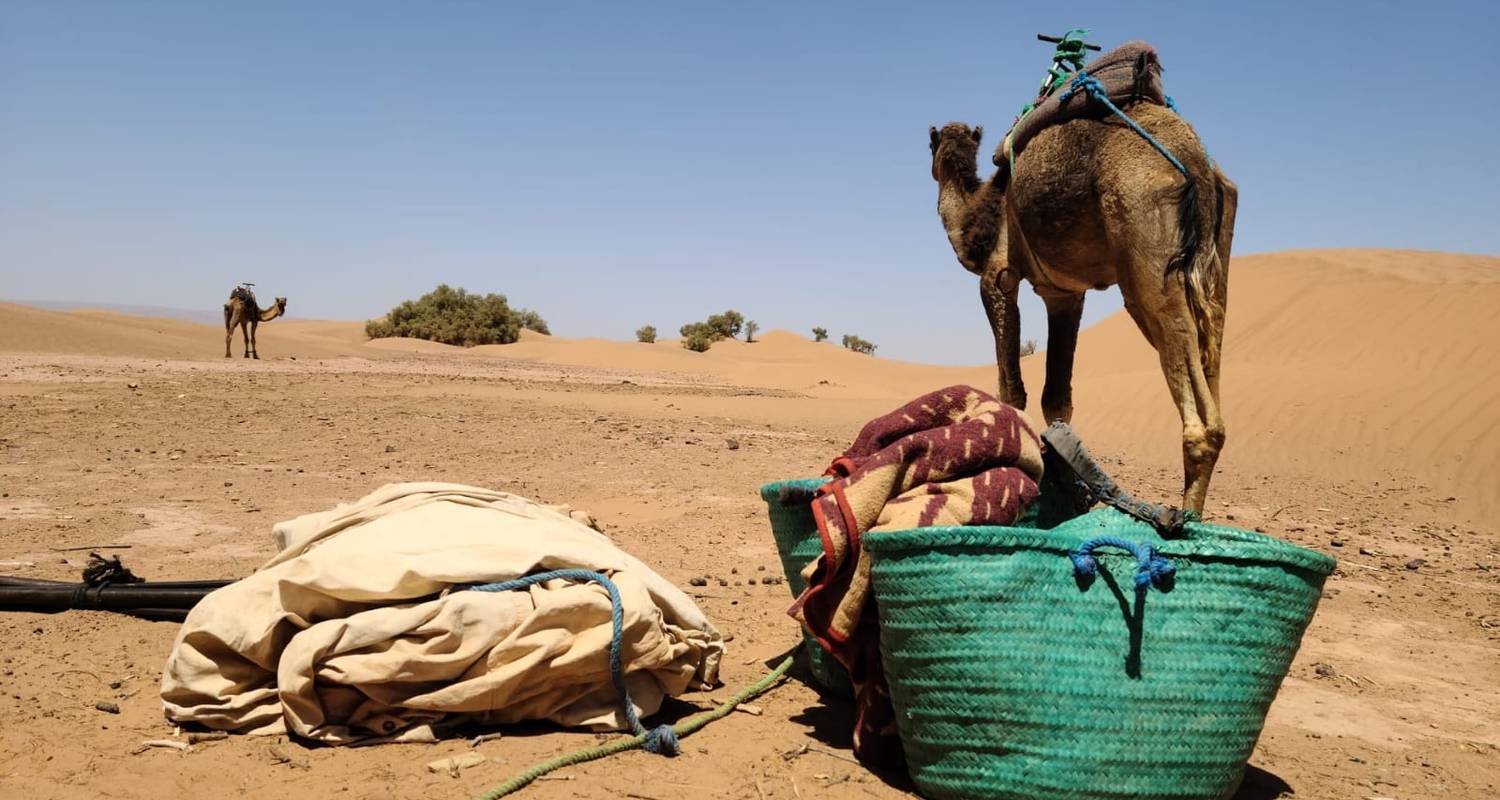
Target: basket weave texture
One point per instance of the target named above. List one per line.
(797, 542)
(1015, 678)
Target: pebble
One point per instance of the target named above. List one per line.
(107, 707)
(390, 448)
(1365, 551)
(731, 444)
(1416, 563)
(1336, 543)
(1326, 670)
(698, 581)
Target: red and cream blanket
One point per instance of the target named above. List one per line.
(956, 456)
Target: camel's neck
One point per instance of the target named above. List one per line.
(268, 314)
(972, 215)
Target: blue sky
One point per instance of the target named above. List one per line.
(618, 164)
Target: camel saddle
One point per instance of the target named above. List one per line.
(1130, 73)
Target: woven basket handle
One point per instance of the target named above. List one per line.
(1151, 569)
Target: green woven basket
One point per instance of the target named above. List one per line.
(797, 542)
(1014, 676)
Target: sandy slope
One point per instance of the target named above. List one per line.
(1336, 362)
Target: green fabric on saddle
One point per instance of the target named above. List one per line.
(1130, 73)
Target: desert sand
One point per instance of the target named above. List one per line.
(1363, 410)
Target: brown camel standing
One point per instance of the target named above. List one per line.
(1091, 205)
(242, 310)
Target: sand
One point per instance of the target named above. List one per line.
(1364, 420)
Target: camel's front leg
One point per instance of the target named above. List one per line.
(1063, 315)
(255, 354)
(997, 289)
(245, 331)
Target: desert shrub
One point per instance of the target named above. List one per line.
(859, 345)
(532, 321)
(699, 340)
(820, 334)
(646, 333)
(726, 325)
(750, 328)
(1028, 347)
(451, 316)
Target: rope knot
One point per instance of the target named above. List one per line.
(662, 740)
(1151, 569)
(1084, 82)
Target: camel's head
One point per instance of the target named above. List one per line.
(955, 151)
(281, 305)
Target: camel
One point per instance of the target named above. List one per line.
(1088, 206)
(242, 310)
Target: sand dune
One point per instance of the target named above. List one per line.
(1364, 363)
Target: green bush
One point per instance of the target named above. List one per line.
(859, 345)
(820, 334)
(750, 328)
(532, 321)
(646, 333)
(698, 341)
(726, 325)
(453, 316)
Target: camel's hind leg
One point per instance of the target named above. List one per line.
(228, 329)
(255, 354)
(1160, 309)
(245, 332)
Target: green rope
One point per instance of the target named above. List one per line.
(621, 745)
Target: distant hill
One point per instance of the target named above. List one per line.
(208, 316)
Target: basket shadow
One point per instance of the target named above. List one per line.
(1262, 785)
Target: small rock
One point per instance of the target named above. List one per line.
(390, 448)
(1416, 563)
(698, 581)
(454, 764)
(731, 444)
(734, 570)
(761, 568)
(1336, 543)
(107, 707)
(228, 483)
(1326, 670)
(723, 582)
(115, 684)
(1365, 551)
(132, 385)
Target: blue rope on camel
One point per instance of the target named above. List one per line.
(1087, 83)
(661, 739)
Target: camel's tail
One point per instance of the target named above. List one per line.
(1202, 256)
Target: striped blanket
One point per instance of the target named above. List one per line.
(956, 456)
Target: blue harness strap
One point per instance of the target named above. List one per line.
(1084, 82)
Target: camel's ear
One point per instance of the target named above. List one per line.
(932, 138)
(978, 133)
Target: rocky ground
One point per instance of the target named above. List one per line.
(183, 466)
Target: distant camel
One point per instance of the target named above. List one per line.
(1089, 206)
(243, 311)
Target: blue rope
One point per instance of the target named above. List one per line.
(1085, 82)
(1151, 570)
(661, 739)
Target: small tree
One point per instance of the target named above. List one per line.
(646, 333)
(750, 328)
(820, 334)
(699, 340)
(532, 321)
(726, 325)
(859, 345)
(450, 316)
(1028, 347)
